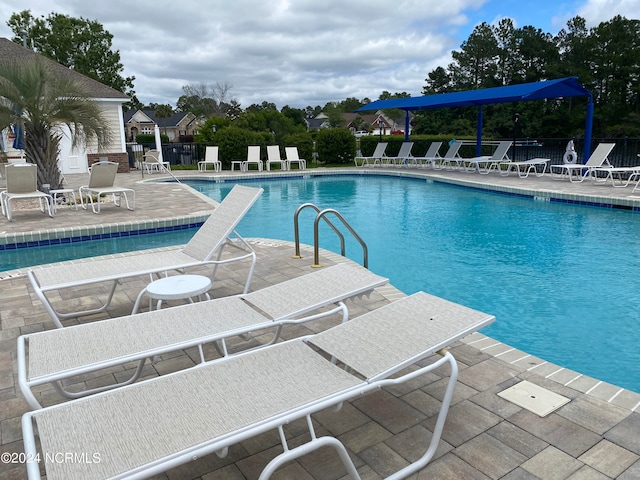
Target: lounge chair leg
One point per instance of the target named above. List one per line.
(315, 444)
(73, 395)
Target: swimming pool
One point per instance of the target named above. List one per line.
(560, 278)
(76, 247)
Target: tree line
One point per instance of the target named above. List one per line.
(604, 58)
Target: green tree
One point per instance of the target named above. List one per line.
(475, 65)
(206, 100)
(40, 101)
(163, 112)
(76, 43)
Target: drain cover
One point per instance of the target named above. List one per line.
(534, 398)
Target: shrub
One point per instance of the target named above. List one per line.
(233, 143)
(336, 145)
(304, 142)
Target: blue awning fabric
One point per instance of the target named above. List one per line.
(559, 88)
(563, 87)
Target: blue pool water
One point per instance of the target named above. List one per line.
(561, 279)
(26, 257)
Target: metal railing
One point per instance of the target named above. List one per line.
(322, 215)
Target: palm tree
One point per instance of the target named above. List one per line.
(40, 101)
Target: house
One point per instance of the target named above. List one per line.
(377, 123)
(76, 160)
(174, 127)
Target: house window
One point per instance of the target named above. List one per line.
(147, 131)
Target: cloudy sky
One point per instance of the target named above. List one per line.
(300, 52)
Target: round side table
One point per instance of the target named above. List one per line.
(177, 287)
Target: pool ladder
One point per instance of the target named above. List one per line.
(322, 215)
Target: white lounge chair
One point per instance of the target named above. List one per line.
(253, 158)
(294, 157)
(430, 156)
(484, 164)
(404, 157)
(112, 342)
(451, 158)
(210, 158)
(22, 184)
(619, 176)
(377, 157)
(274, 157)
(101, 183)
(146, 428)
(151, 162)
(523, 168)
(204, 248)
(579, 172)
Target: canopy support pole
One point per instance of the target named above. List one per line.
(587, 130)
(479, 132)
(406, 126)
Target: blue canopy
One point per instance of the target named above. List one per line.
(562, 87)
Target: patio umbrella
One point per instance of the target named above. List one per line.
(18, 140)
(158, 143)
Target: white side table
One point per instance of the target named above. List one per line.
(177, 287)
(61, 191)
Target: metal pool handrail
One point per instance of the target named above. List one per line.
(316, 240)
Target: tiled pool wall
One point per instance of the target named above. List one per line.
(631, 204)
(144, 227)
(98, 232)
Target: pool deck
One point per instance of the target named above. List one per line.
(594, 436)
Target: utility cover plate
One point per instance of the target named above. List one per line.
(534, 398)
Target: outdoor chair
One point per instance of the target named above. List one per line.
(136, 338)
(274, 157)
(253, 158)
(210, 158)
(377, 157)
(151, 162)
(204, 248)
(149, 427)
(294, 157)
(484, 164)
(101, 183)
(579, 172)
(22, 184)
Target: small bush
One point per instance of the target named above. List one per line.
(336, 145)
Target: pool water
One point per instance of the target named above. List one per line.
(561, 279)
(26, 257)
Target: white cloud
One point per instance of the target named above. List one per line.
(295, 52)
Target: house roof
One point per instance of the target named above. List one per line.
(11, 51)
(563, 87)
(150, 115)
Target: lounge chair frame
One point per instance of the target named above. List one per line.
(22, 181)
(101, 183)
(138, 337)
(485, 164)
(210, 158)
(252, 393)
(577, 173)
(151, 162)
(429, 158)
(294, 157)
(451, 159)
(376, 158)
(204, 248)
(274, 158)
(253, 158)
(523, 168)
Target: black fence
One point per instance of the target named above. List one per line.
(174, 153)
(625, 154)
